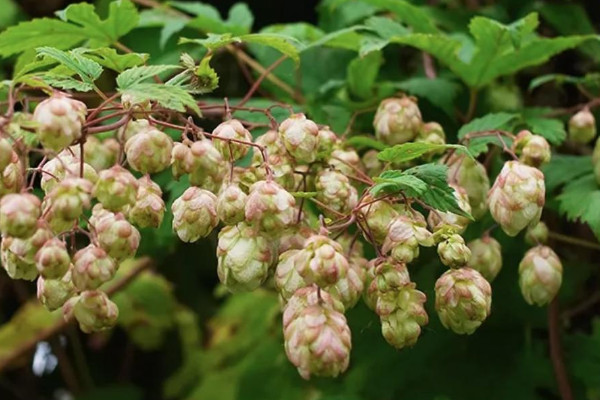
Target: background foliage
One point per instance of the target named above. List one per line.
(496, 64)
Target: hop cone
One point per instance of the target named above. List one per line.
(383, 275)
(59, 120)
(116, 188)
(397, 120)
(17, 256)
(149, 208)
(537, 234)
(65, 165)
(403, 316)
(373, 166)
(231, 204)
(6, 153)
(346, 161)
(52, 259)
(270, 207)
(335, 191)
(317, 337)
(19, 214)
(70, 197)
(149, 151)
(517, 197)
(131, 129)
(534, 150)
(432, 133)
(182, 160)
(300, 136)
(194, 214)
(328, 141)
(448, 221)
(471, 175)
(582, 127)
(453, 251)
(404, 237)
(93, 310)
(208, 167)
(92, 266)
(244, 257)
(11, 179)
(101, 154)
(322, 261)
(232, 129)
(486, 257)
(540, 275)
(463, 299)
(294, 237)
(116, 235)
(53, 293)
(377, 215)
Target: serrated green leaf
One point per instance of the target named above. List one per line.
(208, 19)
(395, 181)
(360, 141)
(122, 18)
(87, 69)
(401, 153)
(580, 201)
(171, 97)
(137, 75)
(439, 194)
(362, 74)
(109, 58)
(40, 32)
(66, 82)
(552, 129)
(440, 92)
(488, 122)
(563, 169)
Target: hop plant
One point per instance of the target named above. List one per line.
(52, 259)
(397, 120)
(463, 299)
(300, 136)
(322, 261)
(6, 153)
(335, 191)
(404, 316)
(383, 274)
(92, 266)
(232, 129)
(270, 207)
(149, 208)
(486, 257)
(194, 214)
(182, 160)
(377, 214)
(582, 127)
(132, 128)
(59, 120)
(317, 337)
(453, 251)
(470, 175)
(432, 133)
(244, 257)
(17, 256)
(208, 167)
(534, 150)
(53, 293)
(517, 197)
(294, 237)
(19, 214)
(404, 237)
(328, 141)
(537, 234)
(346, 161)
(149, 151)
(373, 166)
(70, 197)
(540, 275)
(116, 188)
(93, 311)
(231, 204)
(449, 221)
(116, 235)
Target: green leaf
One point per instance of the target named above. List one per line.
(359, 141)
(122, 18)
(110, 59)
(282, 43)
(563, 169)
(40, 32)
(88, 70)
(171, 97)
(136, 75)
(208, 19)
(439, 194)
(440, 92)
(362, 74)
(395, 181)
(488, 122)
(65, 82)
(401, 153)
(552, 129)
(580, 201)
